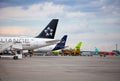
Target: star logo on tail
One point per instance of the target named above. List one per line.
(48, 31)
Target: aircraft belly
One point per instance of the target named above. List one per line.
(45, 49)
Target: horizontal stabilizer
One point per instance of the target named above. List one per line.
(52, 42)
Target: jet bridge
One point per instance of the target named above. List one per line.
(11, 50)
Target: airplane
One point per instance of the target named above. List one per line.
(53, 47)
(106, 53)
(73, 52)
(90, 53)
(103, 52)
(45, 38)
(87, 53)
(97, 52)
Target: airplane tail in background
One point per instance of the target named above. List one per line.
(78, 45)
(61, 44)
(49, 31)
(96, 50)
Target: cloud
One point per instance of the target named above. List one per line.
(90, 40)
(14, 30)
(35, 11)
(99, 7)
(77, 28)
(40, 10)
(107, 20)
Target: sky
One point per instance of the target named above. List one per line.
(94, 22)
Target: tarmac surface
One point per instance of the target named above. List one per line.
(61, 68)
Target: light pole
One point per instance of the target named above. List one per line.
(116, 46)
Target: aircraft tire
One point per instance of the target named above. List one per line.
(15, 57)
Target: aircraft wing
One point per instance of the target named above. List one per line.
(9, 46)
(17, 46)
(4, 46)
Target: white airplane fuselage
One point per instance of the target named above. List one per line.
(28, 43)
(46, 48)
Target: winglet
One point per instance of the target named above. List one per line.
(50, 30)
(61, 44)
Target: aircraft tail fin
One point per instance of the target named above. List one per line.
(96, 50)
(49, 31)
(78, 45)
(61, 44)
